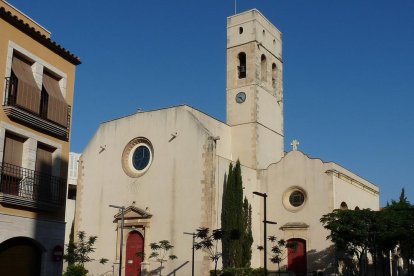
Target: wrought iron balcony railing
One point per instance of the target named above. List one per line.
(24, 187)
(24, 115)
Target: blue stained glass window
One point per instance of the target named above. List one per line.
(141, 158)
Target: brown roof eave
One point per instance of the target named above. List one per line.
(36, 35)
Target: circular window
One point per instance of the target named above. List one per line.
(240, 30)
(141, 157)
(294, 199)
(137, 157)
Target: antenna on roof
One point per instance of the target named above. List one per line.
(235, 6)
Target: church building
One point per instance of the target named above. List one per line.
(167, 168)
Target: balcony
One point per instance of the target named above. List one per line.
(25, 116)
(29, 188)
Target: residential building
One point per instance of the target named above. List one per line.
(71, 193)
(35, 122)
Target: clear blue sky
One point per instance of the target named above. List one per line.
(348, 71)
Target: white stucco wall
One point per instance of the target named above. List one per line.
(323, 192)
(183, 187)
(71, 203)
(171, 190)
(352, 189)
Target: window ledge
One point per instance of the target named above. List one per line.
(26, 202)
(35, 121)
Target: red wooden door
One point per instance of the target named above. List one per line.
(297, 257)
(134, 244)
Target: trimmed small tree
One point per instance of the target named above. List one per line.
(208, 242)
(78, 253)
(160, 252)
(278, 250)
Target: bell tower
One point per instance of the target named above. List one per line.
(255, 89)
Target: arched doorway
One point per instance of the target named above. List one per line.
(297, 257)
(134, 244)
(20, 256)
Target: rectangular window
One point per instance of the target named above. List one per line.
(57, 108)
(72, 191)
(73, 166)
(13, 150)
(44, 159)
(11, 174)
(25, 94)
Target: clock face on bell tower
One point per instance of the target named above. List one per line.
(240, 97)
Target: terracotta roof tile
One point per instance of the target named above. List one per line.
(36, 35)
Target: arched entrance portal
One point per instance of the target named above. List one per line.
(20, 256)
(134, 244)
(297, 257)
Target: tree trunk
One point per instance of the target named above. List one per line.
(360, 263)
(161, 268)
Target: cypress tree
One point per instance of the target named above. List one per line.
(235, 221)
(226, 215)
(247, 240)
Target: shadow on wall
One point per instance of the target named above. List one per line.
(153, 272)
(324, 260)
(51, 204)
(39, 196)
(330, 262)
(318, 263)
(158, 270)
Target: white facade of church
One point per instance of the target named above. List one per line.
(167, 167)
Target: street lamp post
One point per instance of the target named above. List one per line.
(192, 263)
(122, 208)
(265, 222)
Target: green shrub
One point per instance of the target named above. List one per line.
(239, 272)
(75, 270)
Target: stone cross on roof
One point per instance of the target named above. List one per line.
(294, 144)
